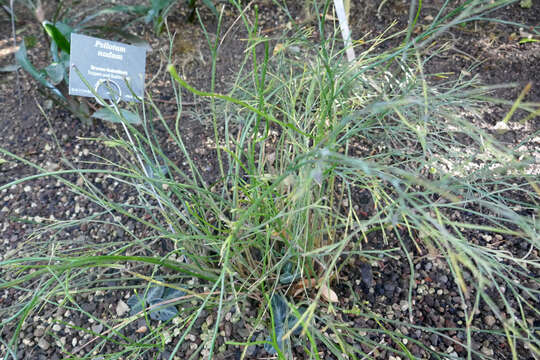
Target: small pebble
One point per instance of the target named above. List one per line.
(39, 331)
(121, 308)
(404, 305)
(97, 328)
(434, 339)
(43, 344)
(487, 351)
(490, 320)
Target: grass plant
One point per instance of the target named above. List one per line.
(300, 134)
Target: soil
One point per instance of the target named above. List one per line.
(47, 134)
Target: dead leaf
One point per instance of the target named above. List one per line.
(278, 48)
(328, 294)
(301, 285)
(141, 330)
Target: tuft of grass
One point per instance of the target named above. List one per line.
(300, 134)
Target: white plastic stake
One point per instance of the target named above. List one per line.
(345, 32)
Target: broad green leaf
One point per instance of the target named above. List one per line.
(22, 59)
(151, 14)
(163, 312)
(172, 294)
(293, 319)
(110, 116)
(136, 9)
(55, 72)
(10, 68)
(135, 303)
(159, 5)
(57, 36)
(211, 6)
(287, 276)
(155, 292)
(83, 109)
(284, 319)
(65, 29)
(154, 296)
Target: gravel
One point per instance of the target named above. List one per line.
(121, 308)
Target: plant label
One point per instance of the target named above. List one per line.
(111, 69)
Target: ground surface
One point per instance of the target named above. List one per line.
(26, 132)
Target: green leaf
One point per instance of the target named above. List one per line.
(151, 14)
(22, 59)
(55, 72)
(155, 292)
(527, 4)
(113, 143)
(61, 56)
(287, 276)
(279, 310)
(284, 319)
(30, 41)
(65, 29)
(164, 312)
(527, 40)
(209, 4)
(156, 295)
(171, 293)
(159, 5)
(10, 68)
(57, 36)
(136, 9)
(110, 116)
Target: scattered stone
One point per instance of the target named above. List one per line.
(27, 342)
(403, 305)
(490, 320)
(97, 328)
(367, 274)
(487, 351)
(144, 329)
(39, 331)
(251, 351)
(389, 289)
(434, 339)
(121, 308)
(43, 344)
(89, 307)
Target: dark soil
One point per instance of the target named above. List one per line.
(488, 50)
